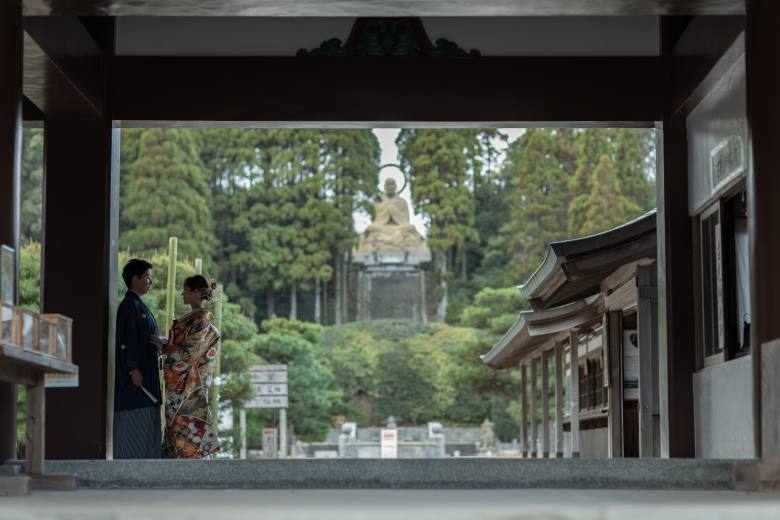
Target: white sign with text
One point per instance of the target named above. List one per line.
(389, 444)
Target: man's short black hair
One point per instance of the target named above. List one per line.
(135, 267)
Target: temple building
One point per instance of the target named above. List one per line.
(594, 302)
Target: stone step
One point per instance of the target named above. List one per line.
(407, 473)
(14, 486)
(9, 470)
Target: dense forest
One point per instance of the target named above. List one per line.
(271, 212)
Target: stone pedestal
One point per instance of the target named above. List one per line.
(392, 286)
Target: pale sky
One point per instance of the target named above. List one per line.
(386, 137)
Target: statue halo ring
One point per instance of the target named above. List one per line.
(403, 174)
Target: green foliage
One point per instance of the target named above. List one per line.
(438, 162)
(541, 190)
(30, 277)
(633, 156)
(312, 395)
(21, 413)
(604, 207)
(166, 194)
(353, 355)
(494, 310)
(416, 372)
(31, 210)
(547, 185)
(284, 202)
(413, 385)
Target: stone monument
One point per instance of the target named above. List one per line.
(487, 438)
(392, 285)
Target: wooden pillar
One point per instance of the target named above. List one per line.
(648, 352)
(79, 251)
(545, 404)
(676, 322)
(676, 333)
(80, 222)
(35, 427)
(524, 444)
(558, 400)
(762, 53)
(574, 369)
(613, 331)
(534, 425)
(11, 49)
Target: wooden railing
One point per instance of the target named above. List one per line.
(47, 334)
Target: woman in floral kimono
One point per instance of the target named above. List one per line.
(189, 355)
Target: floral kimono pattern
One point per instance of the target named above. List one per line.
(189, 360)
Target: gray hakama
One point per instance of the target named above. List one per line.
(137, 433)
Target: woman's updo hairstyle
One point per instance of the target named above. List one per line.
(198, 283)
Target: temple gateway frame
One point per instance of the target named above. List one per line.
(83, 102)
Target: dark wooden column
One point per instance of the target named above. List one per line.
(80, 200)
(676, 333)
(524, 444)
(11, 45)
(534, 452)
(613, 342)
(574, 400)
(76, 276)
(762, 52)
(75, 282)
(647, 315)
(676, 340)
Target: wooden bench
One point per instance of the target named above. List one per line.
(31, 346)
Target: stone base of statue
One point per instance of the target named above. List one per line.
(392, 285)
(391, 289)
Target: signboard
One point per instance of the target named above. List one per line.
(61, 381)
(267, 401)
(269, 443)
(630, 365)
(273, 389)
(268, 374)
(727, 160)
(270, 385)
(389, 444)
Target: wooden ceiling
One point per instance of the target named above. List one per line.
(382, 7)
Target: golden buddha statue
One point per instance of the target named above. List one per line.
(390, 230)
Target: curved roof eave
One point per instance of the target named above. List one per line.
(536, 327)
(551, 274)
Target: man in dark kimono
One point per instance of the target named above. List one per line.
(137, 396)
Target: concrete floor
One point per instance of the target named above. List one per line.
(130, 504)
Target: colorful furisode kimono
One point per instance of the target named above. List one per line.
(189, 360)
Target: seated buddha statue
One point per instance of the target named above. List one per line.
(390, 230)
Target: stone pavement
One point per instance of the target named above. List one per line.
(528, 504)
(449, 473)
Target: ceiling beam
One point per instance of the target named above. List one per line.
(610, 90)
(702, 54)
(385, 8)
(63, 66)
(48, 88)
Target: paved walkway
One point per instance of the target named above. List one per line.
(130, 504)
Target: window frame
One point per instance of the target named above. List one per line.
(719, 259)
(709, 264)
